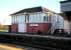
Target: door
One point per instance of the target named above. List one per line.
(22, 27)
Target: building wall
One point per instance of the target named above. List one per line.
(14, 27)
(34, 27)
(66, 9)
(57, 21)
(66, 6)
(36, 17)
(66, 25)
(39, 18)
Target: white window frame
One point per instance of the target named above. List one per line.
(45, 18)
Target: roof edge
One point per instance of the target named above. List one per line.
(65, 1)
(25, 9)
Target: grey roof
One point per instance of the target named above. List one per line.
(29, 10)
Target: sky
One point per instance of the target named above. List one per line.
(8, 7)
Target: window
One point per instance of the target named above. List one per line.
(13, 19)
(16, 19)
(45, 18)
(27, 18)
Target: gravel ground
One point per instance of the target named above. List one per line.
(15, 47)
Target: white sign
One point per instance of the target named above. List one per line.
(33, 25)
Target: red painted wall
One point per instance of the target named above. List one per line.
(43, 27)
(14, 28)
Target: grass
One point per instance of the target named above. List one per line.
(3, 30)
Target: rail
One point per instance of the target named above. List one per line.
(40, 41)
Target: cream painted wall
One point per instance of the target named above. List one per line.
(66, 25)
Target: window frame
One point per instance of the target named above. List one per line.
(45, 18)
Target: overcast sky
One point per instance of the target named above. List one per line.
(8, 7)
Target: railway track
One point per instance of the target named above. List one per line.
(37, 41)
(26, 46)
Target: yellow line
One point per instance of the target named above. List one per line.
(7, 47)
